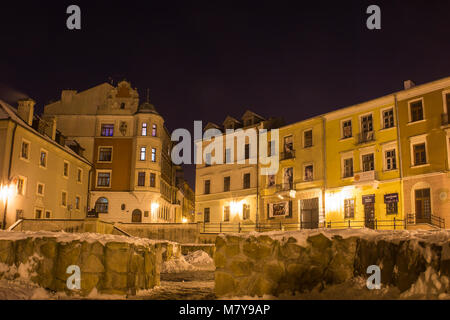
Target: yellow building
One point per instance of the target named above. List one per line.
(294, 195)
(362, 166)
(425, 149)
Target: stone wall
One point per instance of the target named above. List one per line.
(289, 262)
(178, 232)
(208, 248)
(111, 264)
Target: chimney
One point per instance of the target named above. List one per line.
(67, 96)
(408, 84)
(25, 110)
(50, 127)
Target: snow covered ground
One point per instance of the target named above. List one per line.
(194, 261)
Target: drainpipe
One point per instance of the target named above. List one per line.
(88, 198)
(324, 188)
(9, 172)
(257, 177)
(400, 160)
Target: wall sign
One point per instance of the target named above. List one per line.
(368, 199)
(391, 197)
(279, 209)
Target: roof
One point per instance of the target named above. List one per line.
(8, 112)
(147, 107)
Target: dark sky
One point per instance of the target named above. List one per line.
(203, 60)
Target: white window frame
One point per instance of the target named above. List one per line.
(423, 111)
(27, 159)
(43, 189)
(105, 147)
(360, 121)
(24, 188)
(415, 140)
(342, 128)
(388, 147)
(363, 152)
(68, 169)
(110, 178)
(382, 118)
(46, 158)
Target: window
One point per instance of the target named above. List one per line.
(349, 208)
(208, 159)
(228, 155)
(207, 186)
(66, 169)
(103, 179)
(144, 129)
(416, 109)
(391, 208)
(77, 203)
(79, 175)
(388, 118)
(40, 189)
(142, 153)
(247, 151)
(107, 130)
(368, 162)
(122, 105)
(391, 163)
(101, 205)
(307, 139)
(152, 180)
(206, 215)
(105, 154)
(63, 198)
(48, 214)
(38, 213)
(247, 181)
(288, 178)
(288, 147)
(309, 173)
(271, 149)
(154, 130)
(420, 156)
(226, 184)
(141, 179)
(43, 159)
(226, 213)
(347, 129)
(366, 123)
(348, 167)
(153, 154)
(25, 151)
(245, 211)
(21, 186)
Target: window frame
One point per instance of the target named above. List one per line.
(352, 215)
(27, 142)
(382, 111)
(308, 164)
(304, 139)
(99, 151)
(43, 189)
(107, 124)
(63, 203)
(138, 177)
(343, 137)
(144, 129)
(46, 158)
(103, 171)
(423, 110)
(64, 169)
(79, 175)
(416, 140)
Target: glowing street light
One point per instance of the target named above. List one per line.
(6, 192)
(184, 220)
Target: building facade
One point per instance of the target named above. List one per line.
(43, 176)
(133, 178)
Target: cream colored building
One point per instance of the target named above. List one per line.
(133, 178)
(41, 177)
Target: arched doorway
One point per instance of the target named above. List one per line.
(136, 216)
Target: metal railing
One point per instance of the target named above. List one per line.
(364, 137)
(430, 219)
(376, 224)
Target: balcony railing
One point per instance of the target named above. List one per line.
(365, 137)
(444, 119)
(285, 186)
(287, 155)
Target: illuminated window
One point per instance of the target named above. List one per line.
(107, 130)
(154, 130)
(153, 154)
(349, 208)
(144, 129)
(143, 153)
(43, 159)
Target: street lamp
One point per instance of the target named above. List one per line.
(6, 191)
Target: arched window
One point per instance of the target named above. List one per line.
(101, 205)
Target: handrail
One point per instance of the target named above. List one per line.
(17, 223)
(430, 219)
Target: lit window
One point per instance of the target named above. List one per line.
(43, 159)
(153, 154)
(144, 129)
(154, 130)
(143, 153)
(107, 130)
(349, 208)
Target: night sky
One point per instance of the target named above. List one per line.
(203, 60)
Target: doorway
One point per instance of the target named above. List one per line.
(423, 205)
(136, 216)
(369, 215)
(310, 213)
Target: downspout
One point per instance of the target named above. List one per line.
(257, 178)
(9, 172)
(400, 162)
(324, 142)
(88, 198)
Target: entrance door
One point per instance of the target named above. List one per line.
(136, 216)
(369, 215)
(423, 205)
(310, 213)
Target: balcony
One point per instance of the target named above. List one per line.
(287, 155)
(365, 137)
(444, 119)
(285, 187)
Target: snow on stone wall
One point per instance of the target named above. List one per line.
(109, 264)
(275, 263)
